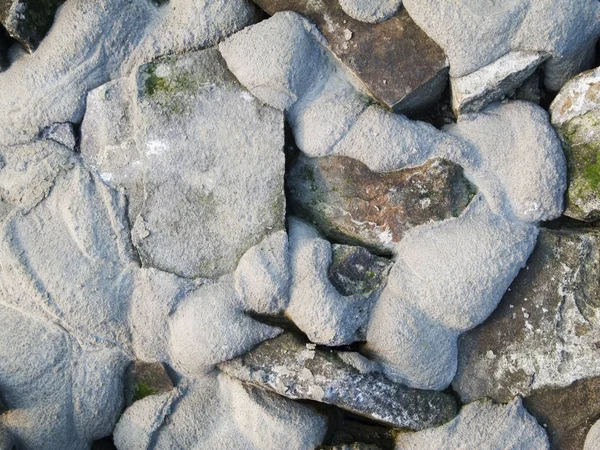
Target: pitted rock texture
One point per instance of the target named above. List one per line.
(378, 55)
(351, 204)
(546, 330)
(291, 368)
(576, 116)
(355, 270)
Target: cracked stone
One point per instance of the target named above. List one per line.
(282, 365)
(546, 330)
(378, 53)
(351, 204)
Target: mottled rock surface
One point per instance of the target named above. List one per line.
(371, 11)
(355, 270)
(576, 116)
(149, 379)
(374, 53)
(483, 426)
(28, 21)
(289, 367)
(351, 204)
(545, 332)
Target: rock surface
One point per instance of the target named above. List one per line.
(576, 116)
(371, 11)
(354, 270)
(373, 52)
(483, 426)
(592, 440)
(351, 204)
(289, 367)
(545, 332)
(149, 379)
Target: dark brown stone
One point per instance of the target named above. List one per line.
(149, 379)
(546, 331)
(28, 21)
(568, 413)
(350, 204)
(296, 370)
(397, 62)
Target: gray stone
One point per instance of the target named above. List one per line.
(62, 133)
(351, 204)
(576, 116)
(371, 11)
(286, 366)
(475, 33)
(545, 332)
(28, 21)
(355, 270)
(471, 93)
(592, 440)
(204, 208)
(483, 426)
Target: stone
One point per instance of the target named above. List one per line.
(481, 425)
(568, 413)
(545, 331)
(351, 204)
(576, 117)
(203, 209)
(355, 270)
(474, 33)
(472, 92)
(149, 378)
(374, 52)
(28, 21)
(288, 367)
(354, 446)
(220, 413)
(371, 11)
(592, 440)
(315, 306)
(62, 133)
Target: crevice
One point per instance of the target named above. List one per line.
(568, 223)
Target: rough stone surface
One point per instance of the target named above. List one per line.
(351, 204)
(28, 21)
(374, 53)
(491, 83)
(62, 133)
(475, 33)
(545, 333)
(289, 367)
(371, 11)
(203, 209)
(592, 440)
(568, 413)
(355, 270)
(576, 116)
(481, 425)
(148, 378)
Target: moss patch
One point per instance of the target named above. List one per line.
(142, 390)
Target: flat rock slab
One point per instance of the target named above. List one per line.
(351, 204)
(567, 413)
(546, 331)
(377, 53)
(28, 21)
(289, 367)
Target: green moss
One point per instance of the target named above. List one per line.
(142, 390)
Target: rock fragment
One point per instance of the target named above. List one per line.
(472, 92)
(371, 11)
(376, 51)
(351, 204)
(28, 21)
(355, 270)
(576, 116)
(481, 425)
(545, 332)
(286, 366)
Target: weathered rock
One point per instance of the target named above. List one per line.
(576, 116)
(62, 133)
(148, 378)
(355, 270)
(354, 446)
(289, 367)
(592, 440)
(371, 11)
(475, 33)
(472, 92)
(213, 165)
(219, 413)
(545, 332)
(351, 204)
(28, 21)
(482, 426)
(567, 413)
(376, 54)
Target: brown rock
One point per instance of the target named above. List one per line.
(395, 60)
(546, 331)
(349, 203)
(149, 379)
(568, 413)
